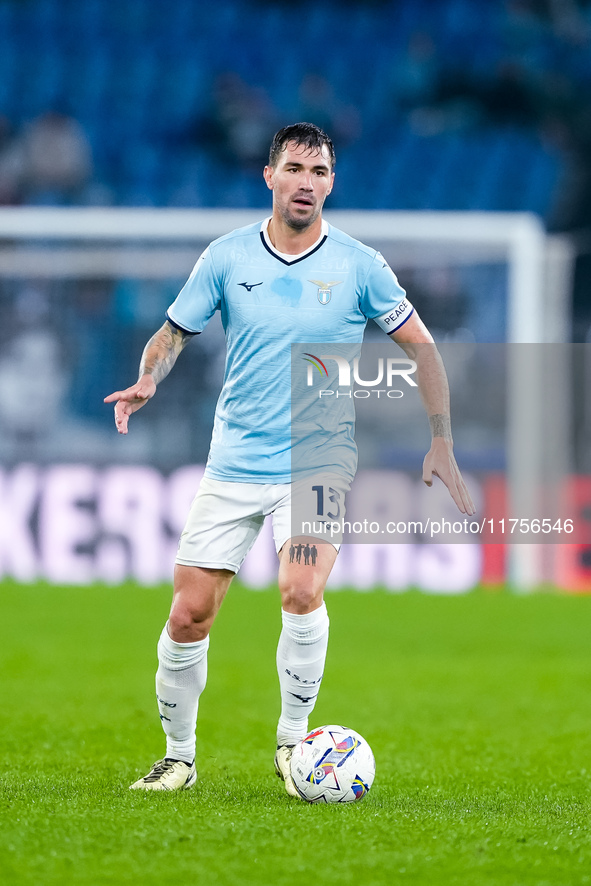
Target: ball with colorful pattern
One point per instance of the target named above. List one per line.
(332, 764)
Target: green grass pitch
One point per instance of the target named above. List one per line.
(478, 709)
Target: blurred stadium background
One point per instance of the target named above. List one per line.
(435, 106)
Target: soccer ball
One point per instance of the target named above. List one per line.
(332, 765)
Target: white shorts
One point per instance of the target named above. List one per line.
(226, 517)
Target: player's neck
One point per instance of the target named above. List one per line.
(290, 241)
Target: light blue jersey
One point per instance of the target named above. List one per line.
(269, 301)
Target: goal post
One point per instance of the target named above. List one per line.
(157, 244)
(540, 265)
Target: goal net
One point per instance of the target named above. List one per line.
(81, 291)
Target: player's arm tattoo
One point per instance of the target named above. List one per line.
(440, 426)
(162, 350)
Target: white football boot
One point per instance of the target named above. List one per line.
(167, 775)
(283, 770)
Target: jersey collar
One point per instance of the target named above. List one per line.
(284, 257)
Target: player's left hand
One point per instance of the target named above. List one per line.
(440, 461)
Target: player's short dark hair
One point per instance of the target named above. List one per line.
(306, 134)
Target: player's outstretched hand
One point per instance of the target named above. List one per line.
(440, 461)
(130, 400)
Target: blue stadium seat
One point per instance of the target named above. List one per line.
(138, 75)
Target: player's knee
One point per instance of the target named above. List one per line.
(300, 597)
(187, 624)
(198, 595)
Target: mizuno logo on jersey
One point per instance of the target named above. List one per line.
(250, 286)
(325, 289)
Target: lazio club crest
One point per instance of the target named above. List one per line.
(325, 290)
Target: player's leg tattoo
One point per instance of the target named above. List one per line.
(301, 652)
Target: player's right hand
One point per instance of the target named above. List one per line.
(130, 400)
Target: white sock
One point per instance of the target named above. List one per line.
(180, 680)
(301, 654)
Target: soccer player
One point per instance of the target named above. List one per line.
(292, 278)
